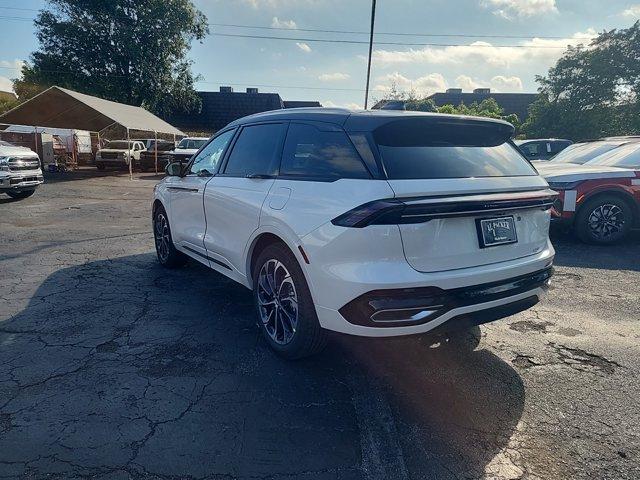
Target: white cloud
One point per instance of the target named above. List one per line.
(633, 11)
(13, 67)
(6, 85)
(422, 86)
(501, 83)
(277, 23)
(466, 83)
(277, 3)
(303, 46)
(334, 77)
(520, 8)
(350, 105)
(483, 53)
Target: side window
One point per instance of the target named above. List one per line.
(256, 152)
(207, 160)
(310, 152)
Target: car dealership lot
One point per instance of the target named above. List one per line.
(112, 367)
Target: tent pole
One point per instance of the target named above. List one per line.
(130, 159)
(156, 152)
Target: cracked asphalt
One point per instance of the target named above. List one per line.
(111, 367)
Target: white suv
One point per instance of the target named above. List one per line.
(376, 223)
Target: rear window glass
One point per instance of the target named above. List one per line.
(310, 152)
(449, 147)
(584, 152)
(454, 162)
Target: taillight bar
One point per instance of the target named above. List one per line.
(419, 210)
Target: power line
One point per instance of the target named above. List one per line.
(404, 34)
(353, 32)
(362, 42)
(300, 87)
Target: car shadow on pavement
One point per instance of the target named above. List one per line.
(119, 367)
(571, 252)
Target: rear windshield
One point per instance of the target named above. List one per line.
(583, 152)
(441, 147)
(191, 143)
(626, 156)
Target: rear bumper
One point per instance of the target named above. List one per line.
(418, 306)
(338, 276)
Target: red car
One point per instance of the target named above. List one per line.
(599, 199)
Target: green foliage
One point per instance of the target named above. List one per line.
(591, 92)
(487, 108)
(7, 103)
(127, 51)
(421, 105)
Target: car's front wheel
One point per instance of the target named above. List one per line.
(167, 254)
(604, 220)
(286, 314)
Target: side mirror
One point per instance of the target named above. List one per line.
(173, 169)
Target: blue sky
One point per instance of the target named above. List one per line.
(334, 73)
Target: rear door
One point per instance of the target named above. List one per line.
(463, 191)
(233, 199)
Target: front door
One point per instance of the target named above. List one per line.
(187, 210)
(233, 199)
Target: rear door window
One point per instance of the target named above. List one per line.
(257, 151)
(317, 154)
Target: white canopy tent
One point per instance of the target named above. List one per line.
(62, 108)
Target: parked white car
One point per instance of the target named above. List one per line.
(20, 172)
(375, 223)
(119, 153)
(186, 148)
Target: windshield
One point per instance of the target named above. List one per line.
(627, 156)
(583, 152)
(119, 145)
(191, 143)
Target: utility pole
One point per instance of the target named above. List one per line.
(373, 18)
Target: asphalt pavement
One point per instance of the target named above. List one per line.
(112, 367)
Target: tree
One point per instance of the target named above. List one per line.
(7, 103)
(421, 105)
(591, 92)
(122, 50)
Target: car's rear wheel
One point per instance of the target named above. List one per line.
(167, 254)
(604, 220)
(21, 193)
(286, 314)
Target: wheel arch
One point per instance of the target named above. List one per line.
(265, 237)
(615, 192)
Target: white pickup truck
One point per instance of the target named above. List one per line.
(118, 153)
(20, 172)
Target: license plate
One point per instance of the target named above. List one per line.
(496, 231)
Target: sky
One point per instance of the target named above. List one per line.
(335, 73)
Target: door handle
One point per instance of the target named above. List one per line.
(184, 189)
(259, 176)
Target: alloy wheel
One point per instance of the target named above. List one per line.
(605, 221)
(161, 236)
(277, 302)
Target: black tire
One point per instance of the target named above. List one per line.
(100, 166)
(166, 252)
(307, 337)
(21, 193)
(604, 220)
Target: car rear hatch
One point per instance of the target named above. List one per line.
(464, 196)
